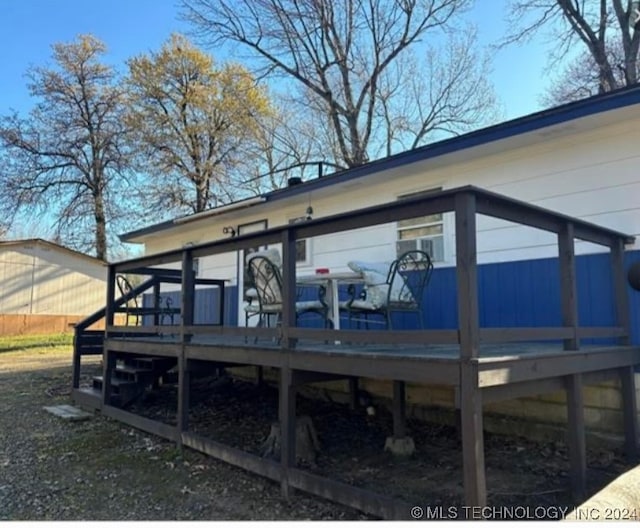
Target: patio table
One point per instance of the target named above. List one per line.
(331, 281)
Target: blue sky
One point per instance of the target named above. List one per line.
(28, 28)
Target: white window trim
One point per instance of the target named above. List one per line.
(446, 222)
(309, 260)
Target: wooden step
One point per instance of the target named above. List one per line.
(87, 397)
(133, 374)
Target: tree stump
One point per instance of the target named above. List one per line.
(307, 443)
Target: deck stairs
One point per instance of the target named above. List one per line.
(132, 376)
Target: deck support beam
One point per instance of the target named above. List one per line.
(184, 376)
(353, 393)
(287, 415)
(471, 420)
(576, 436)
(399, 409)
(184, 384)
(630, 412)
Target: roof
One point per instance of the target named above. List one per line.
(597, 104)
(51, 245)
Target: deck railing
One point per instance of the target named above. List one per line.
(466, 203)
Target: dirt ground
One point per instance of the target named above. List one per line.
(99, 469)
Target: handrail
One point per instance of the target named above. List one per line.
(96, 316)
(488, 203)
(466, 203)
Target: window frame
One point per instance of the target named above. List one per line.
(442, 222)
(307, 243)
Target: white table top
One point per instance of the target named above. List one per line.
(346, 276)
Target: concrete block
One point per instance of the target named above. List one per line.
(400, 447)
(68, 412)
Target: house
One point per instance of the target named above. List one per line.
(46, 287)
(580, 159)
(531, 224)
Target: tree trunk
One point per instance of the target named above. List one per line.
(101, 227)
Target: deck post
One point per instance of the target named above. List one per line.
(630, 412)
(184, 382)
(576, 436)
(399, 444)
(353, 393)
(287, 415)
(621, 297)
(399, 410)
(184, 377)
(111, 293)
(288, 286)
(108, 357)
(188, 294)
(156, 303)
(470, 415)
(568, 288)
(287, 407)
(108, 366)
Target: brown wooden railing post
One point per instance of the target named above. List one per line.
(108, 357)
(287, 393)
(288, 286)
(568, 288)
(156, 303)
(111, 293)
(620, 292)
(187, 307)
(471, 420)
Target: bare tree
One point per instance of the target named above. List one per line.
(280, 151)
(607, 29)
(339, 53)
(445, 93)
(69, 156)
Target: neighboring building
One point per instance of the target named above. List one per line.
(45, 287)
(581, 159)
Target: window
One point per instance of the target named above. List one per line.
(303, 245)
(425, 233)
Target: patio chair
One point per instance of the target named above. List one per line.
(400, 290)
(266, 278)
(125, 288)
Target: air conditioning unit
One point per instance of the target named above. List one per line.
(413, 244)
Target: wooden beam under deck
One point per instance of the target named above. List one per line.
(503, 371)
(366, 501)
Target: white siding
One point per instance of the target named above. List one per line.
(592, 175)
(38, 279)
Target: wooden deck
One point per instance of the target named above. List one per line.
(501, 371)
(482, 364)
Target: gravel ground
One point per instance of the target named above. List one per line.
(99, 469)
(52, 469)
